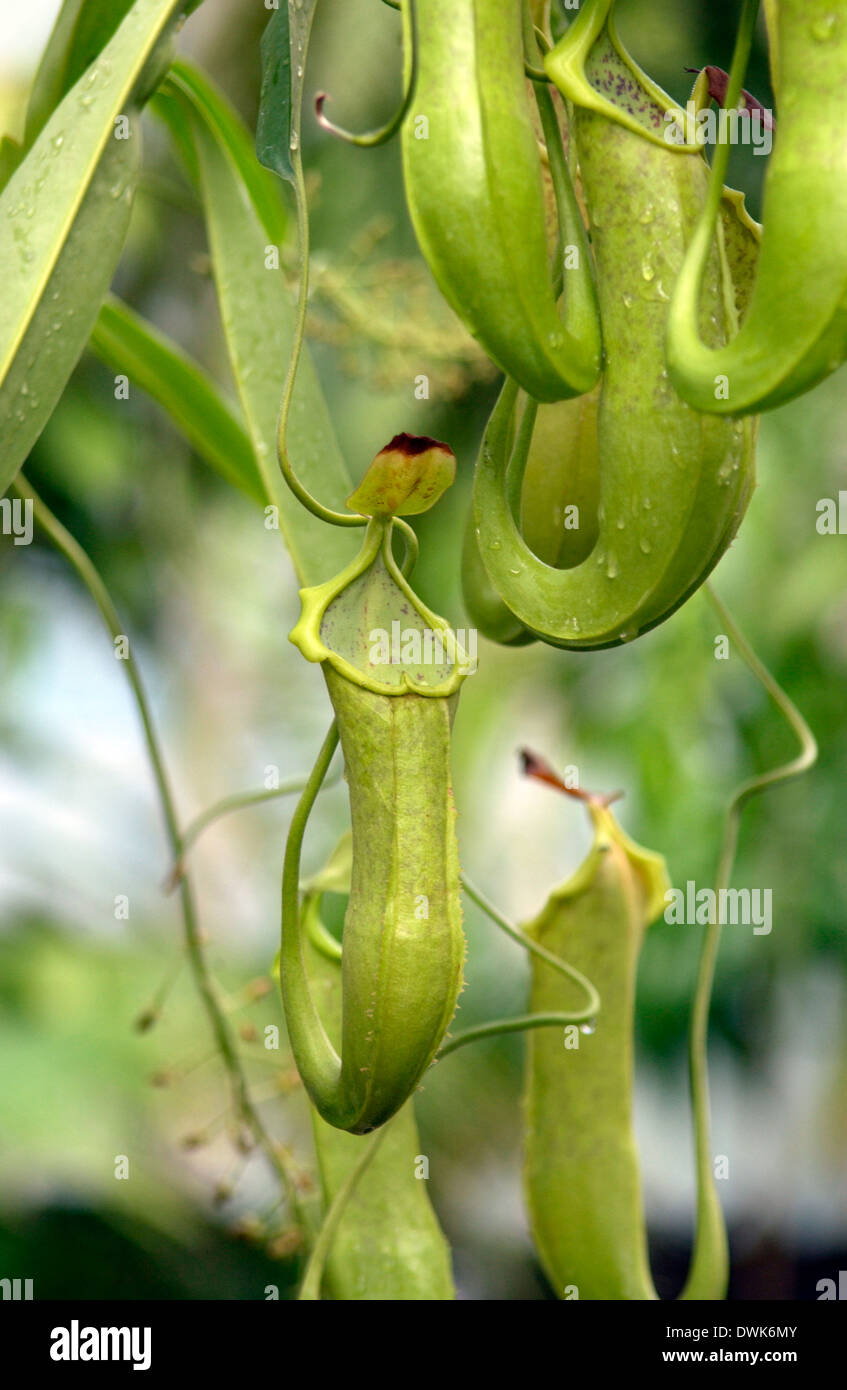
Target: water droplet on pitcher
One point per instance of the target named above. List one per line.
(824, 28)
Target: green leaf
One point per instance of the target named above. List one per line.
(258, 318)
(283, 46)
(172, 113)
(233, 136)
(63, 221)
(11, 154)
(128, 344)
(81, 32)
(79, 35)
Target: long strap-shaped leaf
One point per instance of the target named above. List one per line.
(63, 220)
(128, 344)
(80, 33)
(258, 318)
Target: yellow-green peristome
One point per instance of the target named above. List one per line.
(582, 1176)
(671, 484)
(393, 670)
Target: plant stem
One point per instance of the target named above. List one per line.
(226, 1046)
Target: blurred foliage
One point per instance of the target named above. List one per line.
(201, 586)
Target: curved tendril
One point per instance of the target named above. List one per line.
(316, 1051)
(740, 59)
(243, 1103)
(310, 1289)
(704, 231)
(322, 940)
(581, 300)
(410, 558)
(368, 139)
(300, 492)
(594, 1004)
(709, 1258)
(519, 1024)
(371, 138)
(239, 801)
(520, 456)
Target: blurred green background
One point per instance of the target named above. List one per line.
(208, 598)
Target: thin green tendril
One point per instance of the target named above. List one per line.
(239, 801)
(243, 1105)
(709, 1261)
(533, 947)
(300, 492)
(371, 138)
(522, 1022)
(310, 1289)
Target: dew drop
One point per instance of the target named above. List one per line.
(824, 28)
